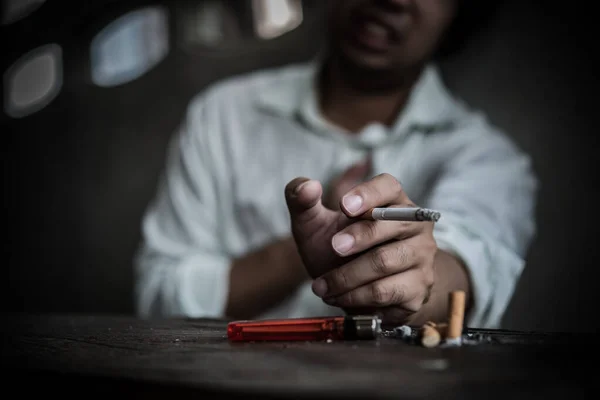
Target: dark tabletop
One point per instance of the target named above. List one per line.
(120, 354)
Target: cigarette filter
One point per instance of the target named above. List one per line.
(441, 327)
(306, 329)
(456, 312)
(430, 336)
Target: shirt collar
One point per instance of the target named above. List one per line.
(430, 105)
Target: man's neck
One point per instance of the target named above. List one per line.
(345, 104)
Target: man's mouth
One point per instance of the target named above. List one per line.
(376, 29)
(374, 33)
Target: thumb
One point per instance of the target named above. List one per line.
(303, 198)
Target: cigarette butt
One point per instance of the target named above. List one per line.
(456, 314)
(442, 327)
(404, 331)
(430, 337)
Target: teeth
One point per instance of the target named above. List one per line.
(375, 29)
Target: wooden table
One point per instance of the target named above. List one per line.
(75, 354)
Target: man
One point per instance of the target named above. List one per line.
(256, 216)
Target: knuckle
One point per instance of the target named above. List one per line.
(404, 254)
(366, 233)
(429, 278)
(348, 300)
(391, 183)
(373, 191)
(381, 261)
(431, 246)
(414, 306)
(338, 280)
(380, 294)
(396, 185)
(388, 177)
(398, 294)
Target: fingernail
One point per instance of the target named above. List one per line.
(299, 187)
(352, 203)
(319, 287)
(343, 243)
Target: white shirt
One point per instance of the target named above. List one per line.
(243, 139)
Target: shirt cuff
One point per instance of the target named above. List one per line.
(203, 285)
(493, 269)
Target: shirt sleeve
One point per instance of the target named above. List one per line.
(486, 195)
(180, 269)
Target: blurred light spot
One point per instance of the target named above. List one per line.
(33, 81)
(14, 10)
(205, 23)
(439, 364)
(273, 18)
(129, 47)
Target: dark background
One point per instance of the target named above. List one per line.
(79, 173)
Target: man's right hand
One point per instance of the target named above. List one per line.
(364, 265)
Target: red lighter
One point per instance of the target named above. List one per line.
(306, 329)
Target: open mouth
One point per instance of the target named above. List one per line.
(376, 32)
(373, 34)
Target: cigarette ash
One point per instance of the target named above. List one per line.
(477, 337)
(424, 214)
(411, 336)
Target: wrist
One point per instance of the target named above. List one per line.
(287, 256)
(450, 275)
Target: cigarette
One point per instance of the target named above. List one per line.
(456, 314)
(442, 327)
(403, 214)
(430, 336)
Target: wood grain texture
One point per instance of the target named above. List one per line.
(195, 355)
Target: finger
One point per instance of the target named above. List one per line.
(347, 180)
(303, 199)
(378, 263)
(343, 183)
(362, 235)
(380, 191)
(337, 190)
(404, 291)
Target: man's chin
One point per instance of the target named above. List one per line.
(361, 60)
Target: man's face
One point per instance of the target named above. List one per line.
(388, 34)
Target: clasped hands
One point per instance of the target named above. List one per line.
(359, 265)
